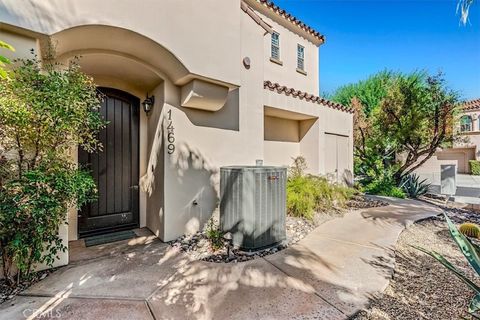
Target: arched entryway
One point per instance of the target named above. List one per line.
(115, 169)
(132, 66)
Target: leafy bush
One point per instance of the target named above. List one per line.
(309, 194)
(331, 195)
(471, 230)
(475, 167)
(33, 206)
(384, 186)
(471, 251)
(214, 235)
(413, 187)
(301, 197)
(44, 111)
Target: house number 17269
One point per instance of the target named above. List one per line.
(170, 134)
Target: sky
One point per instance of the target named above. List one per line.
(364, 37)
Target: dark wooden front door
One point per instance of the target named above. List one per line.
(115, 169)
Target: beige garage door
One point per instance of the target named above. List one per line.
(337, 160)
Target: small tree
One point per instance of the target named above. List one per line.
(43, 114)
(406, 119)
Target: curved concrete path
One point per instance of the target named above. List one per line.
(330, 274)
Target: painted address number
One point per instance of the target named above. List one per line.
(170, 134)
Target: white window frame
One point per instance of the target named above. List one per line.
(300, 57)
(275, 47)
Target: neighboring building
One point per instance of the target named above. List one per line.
(466, 146)
(470, 128)
(233, 82)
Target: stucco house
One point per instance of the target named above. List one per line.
(225, 82)
(466, 146)
(469, 130)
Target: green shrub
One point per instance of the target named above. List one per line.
(413, 187)
(396, 192)
(471, 230)
(214, 235)
(34, 206)
(45, 109)
(330, 195)
(308, 194)
(301, 197)
(384, 186)
(475, 167)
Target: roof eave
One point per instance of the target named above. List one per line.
(280, 16)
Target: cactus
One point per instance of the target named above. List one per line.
(471, 230)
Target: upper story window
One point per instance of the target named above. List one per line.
(466, 124)
(276, 46)
(300, 57)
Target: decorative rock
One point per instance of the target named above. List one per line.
(198, 245)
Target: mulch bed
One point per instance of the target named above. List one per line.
(198, 247)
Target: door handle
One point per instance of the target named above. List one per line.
(135, 187)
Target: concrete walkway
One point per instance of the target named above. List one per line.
(330, 274)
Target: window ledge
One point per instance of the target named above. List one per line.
(276, 61)
(302, 71)
(470, 132)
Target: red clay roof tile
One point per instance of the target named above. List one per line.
(471, 105)
(292, 19)
(305, 96)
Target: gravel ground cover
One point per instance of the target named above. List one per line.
(454, 212)
(198, 247)
(422, 288)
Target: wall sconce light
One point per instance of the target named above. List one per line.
(148, 104)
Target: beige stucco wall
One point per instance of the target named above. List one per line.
(286, 73)
(22, 44)
(180, 190)
(207, 140)
(330, 120)
(281, 129)
(433, 165)
(183, 33)
(460, 156)
(286, 139)
(280, 153)
(471, 139)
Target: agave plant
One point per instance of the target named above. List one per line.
(413, 187)
(471, 251)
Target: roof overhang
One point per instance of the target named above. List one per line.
(287, 20)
